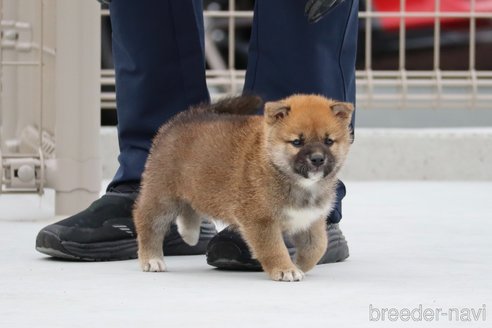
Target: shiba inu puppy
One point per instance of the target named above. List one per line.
(267, 175)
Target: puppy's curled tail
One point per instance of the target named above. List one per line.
(242, 105)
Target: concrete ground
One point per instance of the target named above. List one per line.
(421, 247)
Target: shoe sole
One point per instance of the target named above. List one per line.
(234, 264)
(119, 250)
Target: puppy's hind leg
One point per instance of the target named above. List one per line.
(188, 222)
(152, 218)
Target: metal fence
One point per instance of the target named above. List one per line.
(49, 107)
(437, 87)
(442, 25)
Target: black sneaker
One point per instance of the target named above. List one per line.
(337, 250)
(105, 232)
(228, 251)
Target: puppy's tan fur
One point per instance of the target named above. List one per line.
(246, 171)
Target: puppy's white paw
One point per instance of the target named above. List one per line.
(287, 275)
(153, 265)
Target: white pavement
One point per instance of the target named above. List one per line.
(412, 244)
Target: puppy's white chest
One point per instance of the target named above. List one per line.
(299, 219)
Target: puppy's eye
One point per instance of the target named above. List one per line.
(329, 141)
(297, 142)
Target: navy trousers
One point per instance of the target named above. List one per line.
(158, 52)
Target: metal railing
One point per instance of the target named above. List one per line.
(49, 100)
(376, 88)
(441, 84)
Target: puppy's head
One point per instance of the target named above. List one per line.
(308, 136)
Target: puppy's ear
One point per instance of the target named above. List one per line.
(276, 111)
(342, 110)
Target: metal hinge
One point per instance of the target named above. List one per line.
(16, 35)
(22, 173)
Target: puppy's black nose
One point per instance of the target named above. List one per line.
(317, 159)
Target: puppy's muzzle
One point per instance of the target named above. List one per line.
(314, 158)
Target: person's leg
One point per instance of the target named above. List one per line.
(288, 55)
(159, 61)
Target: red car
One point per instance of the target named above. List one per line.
(451, 6)
(454, 35)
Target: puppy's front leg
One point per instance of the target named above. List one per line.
(267, 244)
(311, 245)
